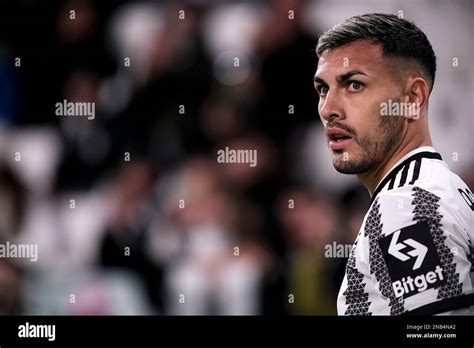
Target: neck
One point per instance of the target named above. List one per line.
(373, 177)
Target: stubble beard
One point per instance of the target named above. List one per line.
(371, 152)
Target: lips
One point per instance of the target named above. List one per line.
(338, 139)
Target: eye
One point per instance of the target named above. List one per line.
(322, 90)
(355, 86)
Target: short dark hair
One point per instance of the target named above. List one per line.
(398, 37)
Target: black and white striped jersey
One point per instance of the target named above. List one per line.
(414, 251)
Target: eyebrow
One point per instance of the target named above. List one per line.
(341, 78)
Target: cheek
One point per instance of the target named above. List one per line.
(319, 113)
(370, 113)
(320, 105)
(366, 122)
(365, 116)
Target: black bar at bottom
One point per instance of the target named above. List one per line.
(242, 330)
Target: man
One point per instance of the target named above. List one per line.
(414, 251)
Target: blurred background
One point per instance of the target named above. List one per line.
(131, 212)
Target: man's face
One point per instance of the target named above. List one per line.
(353, 81)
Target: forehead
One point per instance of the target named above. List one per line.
(364, 55)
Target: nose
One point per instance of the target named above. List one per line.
(329, 107)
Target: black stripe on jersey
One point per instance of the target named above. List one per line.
(403, 179)
(425, 209)
(392, 182)
(357, 299)
(393, 173)
(471, 255)
(416, 171)
(377, 265)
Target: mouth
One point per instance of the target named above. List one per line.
(338, 139)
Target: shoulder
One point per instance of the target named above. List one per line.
(433, 190)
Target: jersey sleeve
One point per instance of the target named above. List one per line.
(419, 255)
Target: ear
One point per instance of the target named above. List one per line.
(417, 94)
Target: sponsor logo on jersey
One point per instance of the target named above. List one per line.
(412, 260)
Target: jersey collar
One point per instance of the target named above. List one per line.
(421, 152)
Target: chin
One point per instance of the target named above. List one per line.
(351, 167)
(345, 169)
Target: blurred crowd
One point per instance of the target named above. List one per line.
(131, 212)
